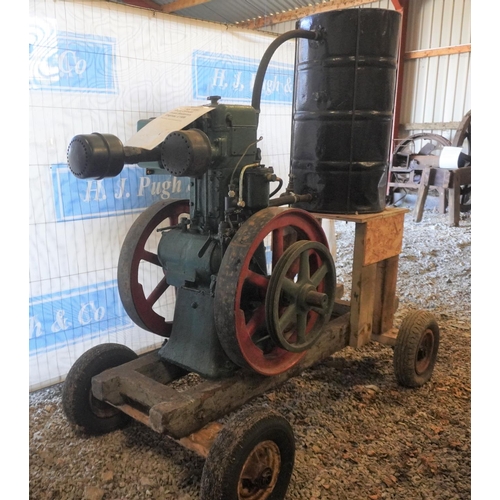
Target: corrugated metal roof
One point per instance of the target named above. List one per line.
(238, 11)
(234, 11)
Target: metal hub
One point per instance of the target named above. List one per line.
(301, 295)
(260, 472)
(424, 352)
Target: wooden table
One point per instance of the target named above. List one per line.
(450, 179)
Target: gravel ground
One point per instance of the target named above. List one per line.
(359, 435)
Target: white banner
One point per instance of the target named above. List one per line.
(104, 67)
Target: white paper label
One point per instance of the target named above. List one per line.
(156, 130)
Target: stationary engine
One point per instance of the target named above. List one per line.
(255, 281)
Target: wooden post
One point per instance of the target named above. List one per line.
(377, 245)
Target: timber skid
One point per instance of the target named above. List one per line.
(152, 391)
(142, 388)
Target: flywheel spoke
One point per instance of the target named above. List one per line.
(301, 327)
(257, 279)
(158, 291)
(288, 317)
(318, 276)
(256, 320)
(290, 287)
(150, 257)
(304, 270)
(277, 244)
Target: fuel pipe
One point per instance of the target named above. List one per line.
(289, 199)
(264, 62)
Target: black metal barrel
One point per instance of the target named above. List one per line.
(343, 108)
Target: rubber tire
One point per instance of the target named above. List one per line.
(410, 334)
(234, 443)
(77, 400)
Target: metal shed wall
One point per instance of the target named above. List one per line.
(437, 89)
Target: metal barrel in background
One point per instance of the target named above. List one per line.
(343, 108)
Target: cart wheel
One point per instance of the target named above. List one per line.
(81, 408)
(416, 349)
(251, 459)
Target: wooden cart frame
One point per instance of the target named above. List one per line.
(143, 388)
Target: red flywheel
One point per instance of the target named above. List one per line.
(243, 281)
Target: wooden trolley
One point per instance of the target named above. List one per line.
(252, 455)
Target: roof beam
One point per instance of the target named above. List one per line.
(145, 4)
(181, 4)
(441, 51)
(298, 13)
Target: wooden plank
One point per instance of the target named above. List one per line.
(383, 238)
(149, 4)
(360, 218)
(135, 413)
(362, 305)
(431, 126)
(181, 4)
(378, 298)
(133, 377)
(387, 338)
(454, 201)
(356, 285)
(298, 13)
(119, 386)
(389, 300)
(463, 175)
(385, 302)
(425, 160)
(441, 51)
(443, 203)
(341, 307)
(201, 441)
(362, 291)
(211, 400)
(423, 191)
(406, 185)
